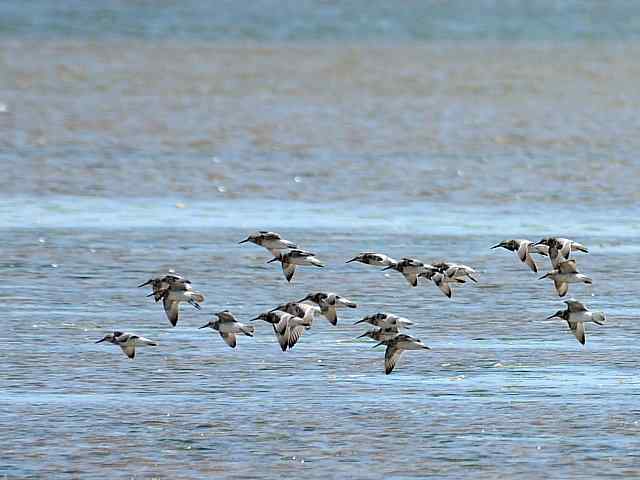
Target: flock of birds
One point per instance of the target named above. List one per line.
(290, 320)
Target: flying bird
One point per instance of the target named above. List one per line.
(396, 346)
(565, 273)
(329, 303)
(272, 241)
(127, 342)
(523, 249)
(576, 315)
(228, 327)
(372, 258)
(290, 259)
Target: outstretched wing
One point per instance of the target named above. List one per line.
(391, 356)
(561, 287)
(330, 314)
(412, 278)
(294, 335)
(129, 349)
(578, 330)
(288, 269)
(229, 338)
(171, 309)
(282, 334)
(568, 266)
(528, 260)
(443, 285)
(575, 306)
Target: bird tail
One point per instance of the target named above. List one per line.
(197, 297)
(599, 318)
(586, 279)
(248, 330)
(316, 262)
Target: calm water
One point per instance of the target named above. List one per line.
(141, 136)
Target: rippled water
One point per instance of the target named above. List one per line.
(137, 137)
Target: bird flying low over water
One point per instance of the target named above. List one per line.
(523, 249)
(329, 303)
(409, 268)
(566, 273)
(395, 347)
(227, 326)
(272, 241)
(576, 315)
(443, 273)
(127, 342)
(381, 333)
(290, 259)
(559, 249)
(303, 310)
(372, 258)
(160, 284)
(385, 320)
(441, 280)
(176, 294)
(287, 328)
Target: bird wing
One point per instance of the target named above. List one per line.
(528, 260)
(443, 285)
(523, 249)
(294, 335)
(288, 269)
(282, 334)
(555, 257)
(344, 302)
(568, 266)
(391, 356)
(412, 278)
(330, 314)
(171, 308)
(575, 306)
(146, 341)
(229, 338)
(129, 348)
(561, 287)
(578, 330)
(525, 255)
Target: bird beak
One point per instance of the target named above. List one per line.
(254, 319)
(363, 335)
(145, 283)
(544, 276)
(274, 259)
(552, 316)
(100, 341)
(244, 241)
(387, 268)
(359, 321)
(352, 260)
(496, 246)
(303, 300)
(204, 326)
(378, 344)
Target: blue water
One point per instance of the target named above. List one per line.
(136, 137)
